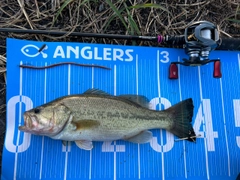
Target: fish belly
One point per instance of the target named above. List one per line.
(108, 130)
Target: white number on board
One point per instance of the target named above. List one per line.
(110, 146)
(164, 56)
(204, 117)
(236, 107)
(12, 119)
(169, 137)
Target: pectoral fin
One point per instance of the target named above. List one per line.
(84, 124)
(83, 144)
(143, 137)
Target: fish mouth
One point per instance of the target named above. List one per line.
(28, 122)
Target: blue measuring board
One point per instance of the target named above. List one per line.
(134, 70)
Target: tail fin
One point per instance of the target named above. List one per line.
(182, 114)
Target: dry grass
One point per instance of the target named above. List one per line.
(143, 17)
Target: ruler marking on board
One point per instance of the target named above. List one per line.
(90, 164)
(65, 165)
(90, 154)
(225, 128)
(159, 95)
(68, 145)
(239, 62)
(115, 153)
(44, 101)
(69, 79)
(139, 160)
(204, 128)
(92, 77)
(19, 122)
(115, 162)
(236, 107)
(184, 145)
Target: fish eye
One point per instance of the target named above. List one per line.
(36, 111)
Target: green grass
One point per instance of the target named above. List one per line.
(117, 12)
(149, 5)
(236, 14)
(64, 5)
(125, 14)
(235, 20)
(131, 25)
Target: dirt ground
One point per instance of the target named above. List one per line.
(110, 17)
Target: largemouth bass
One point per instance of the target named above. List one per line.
(98, 116)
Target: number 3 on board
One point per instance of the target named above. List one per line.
(164, 56)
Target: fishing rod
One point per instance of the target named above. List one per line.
(174, 40)
(199, 39)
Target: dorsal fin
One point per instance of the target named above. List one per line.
(96, 91)
(139, 99)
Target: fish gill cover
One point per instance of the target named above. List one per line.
(133, 70)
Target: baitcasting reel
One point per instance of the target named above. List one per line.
(200, 39)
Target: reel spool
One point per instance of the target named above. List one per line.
(201, 38)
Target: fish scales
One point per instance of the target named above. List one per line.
(115, 113)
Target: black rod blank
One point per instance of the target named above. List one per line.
(226, 44)
(61, 33)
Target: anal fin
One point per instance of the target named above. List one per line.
(84, 144)
(64, 143)
(142, 137)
